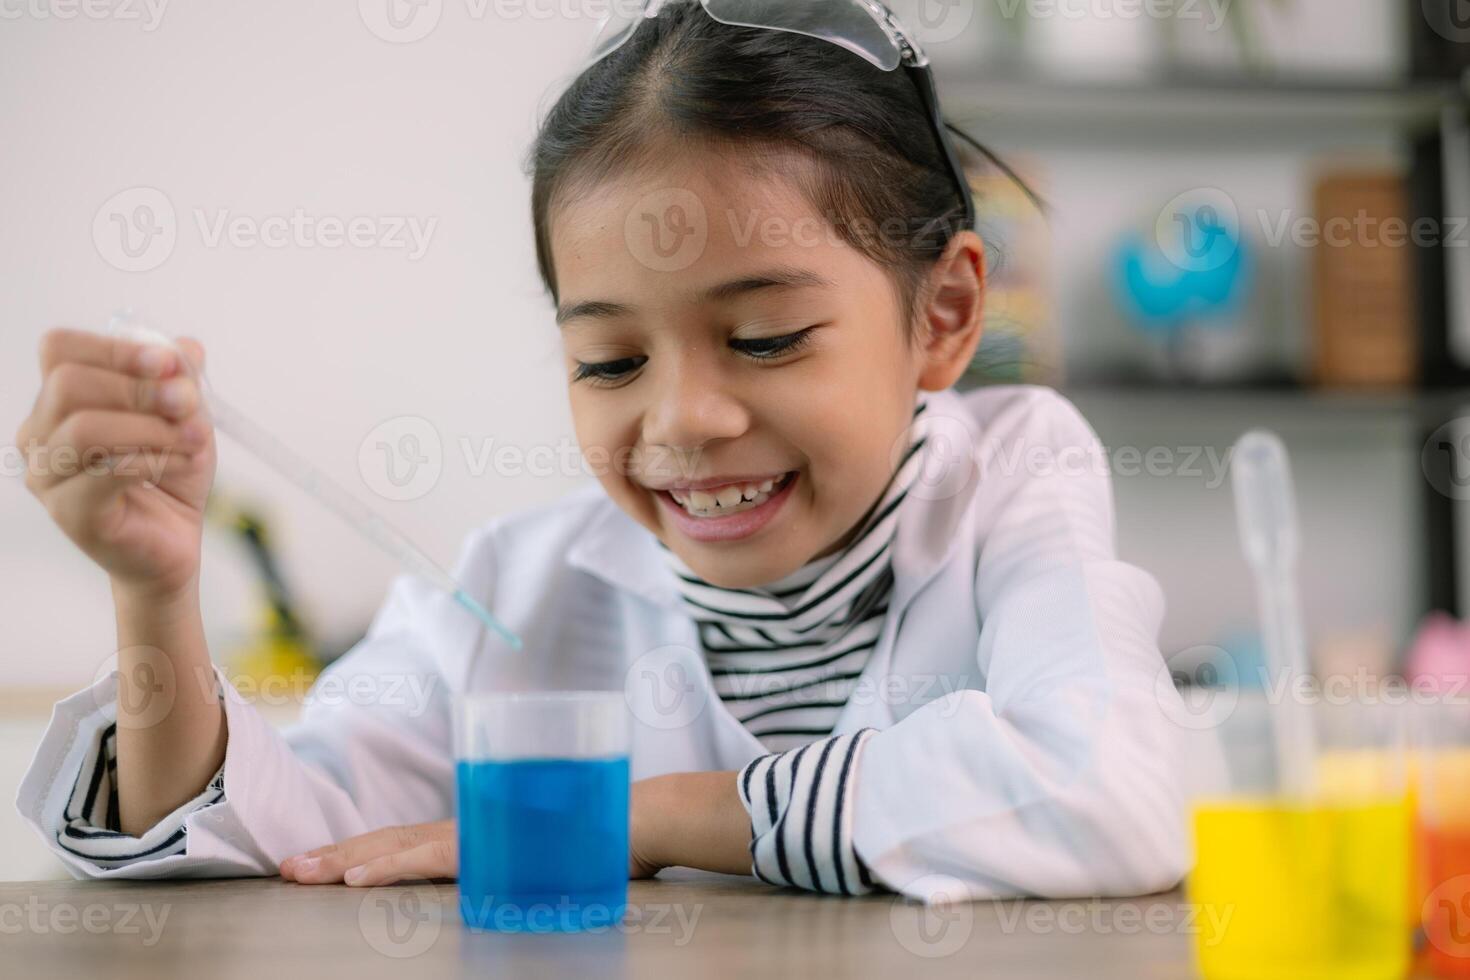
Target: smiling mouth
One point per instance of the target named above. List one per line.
(729, 500)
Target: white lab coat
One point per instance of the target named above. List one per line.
(1024, 748)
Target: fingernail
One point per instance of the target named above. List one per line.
(153, 360)
(192, 435)
(354, 875)
(174, 394)
(306, 865)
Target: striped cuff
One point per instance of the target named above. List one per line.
(800, 806)
(90, 827)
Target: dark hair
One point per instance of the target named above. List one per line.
(875, 163)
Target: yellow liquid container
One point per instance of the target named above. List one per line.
(1316, 890)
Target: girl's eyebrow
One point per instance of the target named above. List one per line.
(778, 277)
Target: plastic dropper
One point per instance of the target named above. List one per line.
(279, 457)
(1265, 508)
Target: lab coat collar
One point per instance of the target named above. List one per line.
(933, 518)
(623, 553)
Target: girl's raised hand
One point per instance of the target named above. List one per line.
(119, 452)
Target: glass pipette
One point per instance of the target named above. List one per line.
(1265, 505)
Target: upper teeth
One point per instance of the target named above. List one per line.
(727, 496)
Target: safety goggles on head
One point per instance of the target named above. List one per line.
(866, 28)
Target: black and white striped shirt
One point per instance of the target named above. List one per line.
(785, 658)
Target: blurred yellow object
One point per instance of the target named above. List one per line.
(1316, 890)
(281, 656)
(276, 662)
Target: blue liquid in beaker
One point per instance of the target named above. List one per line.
(543, 843)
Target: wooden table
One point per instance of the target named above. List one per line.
(683, 924)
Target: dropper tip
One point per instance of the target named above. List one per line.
(483, 615)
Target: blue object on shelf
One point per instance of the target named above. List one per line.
(1193, 267)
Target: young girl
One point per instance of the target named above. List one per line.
(873, 632)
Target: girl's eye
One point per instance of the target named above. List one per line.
(607, 372)
(767, 347)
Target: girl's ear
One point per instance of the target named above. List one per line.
(949, 321)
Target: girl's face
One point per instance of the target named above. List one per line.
(739, 378)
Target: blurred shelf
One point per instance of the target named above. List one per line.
(1418, 404)
(1205, 107)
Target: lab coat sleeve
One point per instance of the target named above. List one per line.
(90, 828)
(1059, 777)
(372, 749)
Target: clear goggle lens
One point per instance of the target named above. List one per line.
(850, 24)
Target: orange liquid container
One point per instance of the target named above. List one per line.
(1446, 909)
(1443, 859)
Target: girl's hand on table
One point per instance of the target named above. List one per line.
(691, 819)
(425, 850)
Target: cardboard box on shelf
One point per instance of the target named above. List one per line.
(1365, 330)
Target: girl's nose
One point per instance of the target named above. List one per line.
(690, 408)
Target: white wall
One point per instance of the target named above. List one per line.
(258, 109)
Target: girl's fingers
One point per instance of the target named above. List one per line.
(83, 505)
(330, 863)
(193, 350)
(432, 859)
(75, 387)
(327, 864)
(62, 345)
(82, 443)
